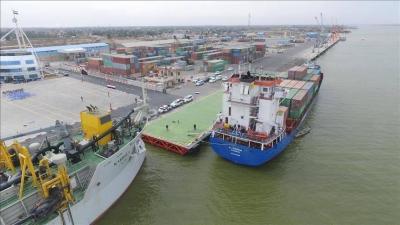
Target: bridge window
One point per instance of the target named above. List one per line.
(10, 63)
(29, 61)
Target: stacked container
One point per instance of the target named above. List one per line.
(95, 63)
(310, 88)
(298, 104)
(288, 98)
(297, 72)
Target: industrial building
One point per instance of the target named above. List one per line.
(18, 65)
(76, 53)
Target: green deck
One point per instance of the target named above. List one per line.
(201, 112)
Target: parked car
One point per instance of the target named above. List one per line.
(111, 86)
(176, 103)
(212, 80)
(224, 78)
(188, 98)
(163, 109)
(230, 69)
(206, 79)
(65, 74)
(195, 80)
(199, 83)
(218, 73)
(218, 77)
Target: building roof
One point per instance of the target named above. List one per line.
(71, 50)
(64, 47)
(154, 43)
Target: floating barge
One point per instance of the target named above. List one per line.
(181, 137)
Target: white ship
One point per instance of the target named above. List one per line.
(76, 178)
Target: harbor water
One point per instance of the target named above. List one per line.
(346, 171)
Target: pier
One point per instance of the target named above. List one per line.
(182, 130)
(315, 55)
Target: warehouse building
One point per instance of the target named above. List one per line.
(76, 53)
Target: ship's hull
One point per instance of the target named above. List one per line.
(243, 155)
(110, 180)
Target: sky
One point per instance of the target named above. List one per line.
(180, 13)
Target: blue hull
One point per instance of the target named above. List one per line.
(244, 155)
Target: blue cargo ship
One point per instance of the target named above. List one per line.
(261, 114)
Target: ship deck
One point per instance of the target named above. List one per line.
(81, 171)
(181, 136)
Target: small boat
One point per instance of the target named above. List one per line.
(303, 132)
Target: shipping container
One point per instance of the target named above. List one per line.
(299, 100)
(284, 83)
(292, 83)
(288, 98)
(296, 113)
(299, 84)
(121, 66)
(310, 88)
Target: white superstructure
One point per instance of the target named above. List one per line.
(252, 104)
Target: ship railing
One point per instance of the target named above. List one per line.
(242, 139)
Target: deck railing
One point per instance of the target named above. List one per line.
(237, 137)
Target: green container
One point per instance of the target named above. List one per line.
(307, 77)
(107, 63)
(296, 113)
(288, 99)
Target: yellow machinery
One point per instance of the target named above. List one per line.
(6, 157)
(25, 161)
(95, 123)
(59, 180)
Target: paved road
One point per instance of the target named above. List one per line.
(155, 98)
(284, 61)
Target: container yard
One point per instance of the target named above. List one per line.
(187, 126)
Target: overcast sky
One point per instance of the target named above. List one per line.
(136, 13)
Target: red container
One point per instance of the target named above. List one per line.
(299, 84)
(292, 83)
(121, 50)
(106, 70)
(284, 83)
(93, 67)
(299, 99)
(121, 60)
(301, 72)
(315, 78)
(120, 72)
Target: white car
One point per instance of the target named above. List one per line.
(212, 80)
(163, 109)
(199, 83)
(176, 103)
(195, 80)
(188, 98)
(218, 73)
(224, 78)
(230, 69)
(218, 77)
